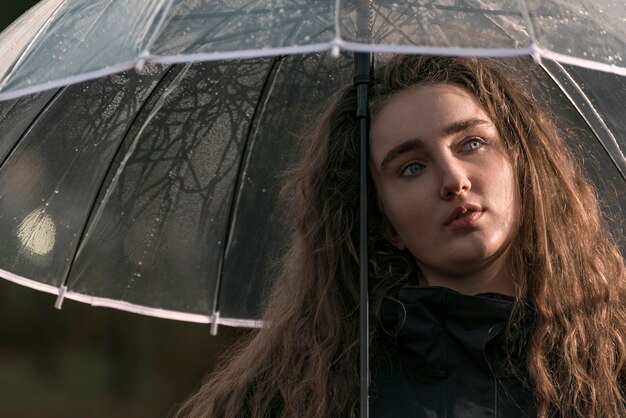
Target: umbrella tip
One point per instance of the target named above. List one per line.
(534, 52)
(141, 61)
(59, 302)
(215, 323)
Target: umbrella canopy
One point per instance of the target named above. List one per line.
(155, 191)
(140, 177)
(60, 42)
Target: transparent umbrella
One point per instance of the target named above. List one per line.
(142, 141)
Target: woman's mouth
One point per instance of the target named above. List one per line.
(464, 216)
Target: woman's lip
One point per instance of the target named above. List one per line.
(461, 211)
(467, 220)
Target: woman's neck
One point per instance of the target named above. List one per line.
(491, 278)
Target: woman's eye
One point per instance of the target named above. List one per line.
(411, 169)
(473, 144)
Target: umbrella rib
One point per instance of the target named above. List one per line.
(237, 189)
(81, 240)
(592, 118)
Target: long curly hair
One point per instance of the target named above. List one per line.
(305, 363)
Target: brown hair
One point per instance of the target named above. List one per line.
(306, 362)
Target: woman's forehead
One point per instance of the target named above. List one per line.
(426, 111)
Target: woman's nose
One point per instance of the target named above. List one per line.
(454, 180)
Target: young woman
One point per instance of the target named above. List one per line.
(495, 290)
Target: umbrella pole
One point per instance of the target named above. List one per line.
(362, 66)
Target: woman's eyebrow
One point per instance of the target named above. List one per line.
(398, 150)
(416, 143)
(463, 125)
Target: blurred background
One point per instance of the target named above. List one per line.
(82, 361)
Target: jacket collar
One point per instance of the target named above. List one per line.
(431, 325)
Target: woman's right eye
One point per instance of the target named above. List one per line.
(411, 169)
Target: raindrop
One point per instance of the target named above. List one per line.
(335, 51)
(263, 190)
(56, 191)
(140, 263)
(219, 242)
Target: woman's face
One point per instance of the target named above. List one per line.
(446, 184)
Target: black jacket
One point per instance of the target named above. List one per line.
(446, 358)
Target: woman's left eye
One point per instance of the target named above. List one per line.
(473, 144)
